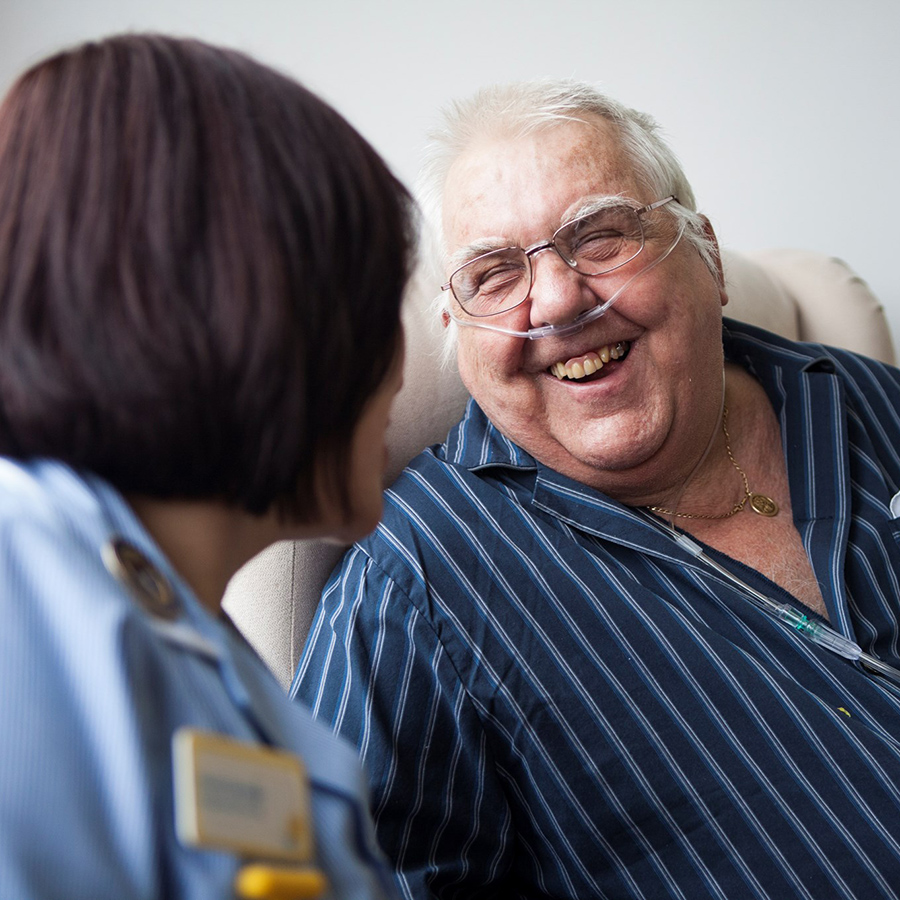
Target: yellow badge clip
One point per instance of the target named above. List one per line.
(260, 882)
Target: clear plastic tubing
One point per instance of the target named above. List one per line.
(811, 629)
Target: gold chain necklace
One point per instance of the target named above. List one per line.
(759, 503)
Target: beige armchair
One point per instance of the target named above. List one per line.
(801, 295)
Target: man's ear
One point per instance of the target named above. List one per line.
(717, 271)
(445, 318)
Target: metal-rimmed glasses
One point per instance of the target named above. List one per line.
(595, 243)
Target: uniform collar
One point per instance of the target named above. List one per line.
(93, 512)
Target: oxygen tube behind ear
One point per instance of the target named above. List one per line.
(814, 630)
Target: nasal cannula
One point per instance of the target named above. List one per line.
(813, 630)
(581, 320)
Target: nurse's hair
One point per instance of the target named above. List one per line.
(201, 266)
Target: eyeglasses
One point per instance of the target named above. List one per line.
(593, 244)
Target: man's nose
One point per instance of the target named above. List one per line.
(558, 292)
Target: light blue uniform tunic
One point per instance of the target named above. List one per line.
(93, 687)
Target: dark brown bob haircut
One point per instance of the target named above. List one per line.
(201, 266)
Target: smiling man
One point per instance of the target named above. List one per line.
(563, 654)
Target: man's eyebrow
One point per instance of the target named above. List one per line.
(582, 207)
(476, 248)
(587, 205)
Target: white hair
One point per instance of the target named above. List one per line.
(514, 110)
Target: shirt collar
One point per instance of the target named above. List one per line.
(748, 345)
(476, 444)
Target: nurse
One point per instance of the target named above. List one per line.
(201, 266)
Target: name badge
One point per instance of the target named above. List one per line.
(241, 797)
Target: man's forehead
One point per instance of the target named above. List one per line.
(592, 146)
(500, 190)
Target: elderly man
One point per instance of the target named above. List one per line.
(633, 630)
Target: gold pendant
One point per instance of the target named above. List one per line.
(763, 505)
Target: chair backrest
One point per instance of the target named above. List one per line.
(799, 294)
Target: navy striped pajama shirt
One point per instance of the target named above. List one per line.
(553, 699)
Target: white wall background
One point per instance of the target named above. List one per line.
(785, 113)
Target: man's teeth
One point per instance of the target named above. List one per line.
(591, 362)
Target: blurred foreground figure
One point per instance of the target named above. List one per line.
(201, 267)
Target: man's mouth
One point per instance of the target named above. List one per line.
(579, 368)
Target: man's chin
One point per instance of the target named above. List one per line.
(604, 455)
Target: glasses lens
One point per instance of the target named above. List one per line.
(601, 241)
(492, 283)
